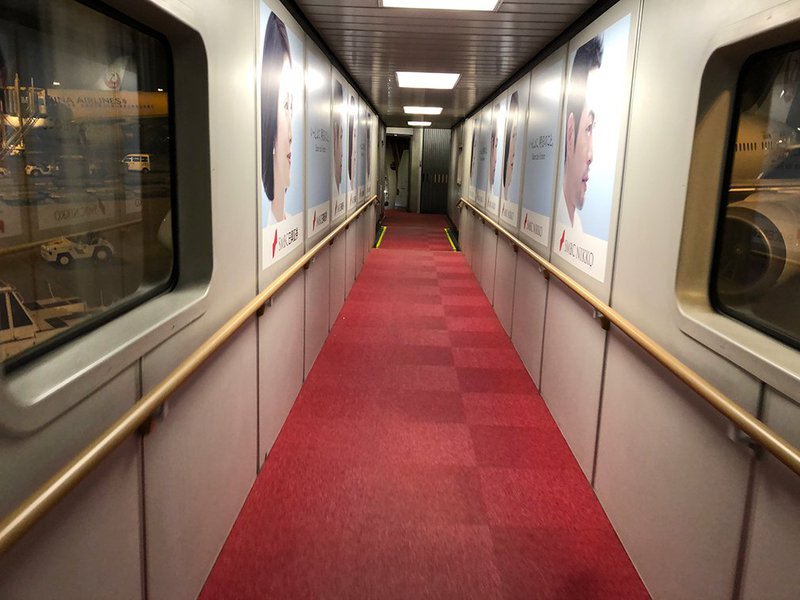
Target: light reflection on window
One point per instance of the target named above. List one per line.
(757, 263)
(85, 171)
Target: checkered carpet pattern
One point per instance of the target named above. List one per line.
(419, 460)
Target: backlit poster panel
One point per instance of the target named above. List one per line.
(470, 152)
(596, 100)
(497, 130)
(362, 150)
(352, 150)
(318, 143)
(369, 190)
(514, 140)
(482, 160)
(10, 220)
(542, 148)
(339, 143)
(281, 80)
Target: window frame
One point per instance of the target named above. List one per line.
(36, 393)
(754, 351)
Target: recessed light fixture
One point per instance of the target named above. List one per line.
(56, 83)
(419, 123)
(431, 81)
(159, 89)
(423, 110)
(485, 5)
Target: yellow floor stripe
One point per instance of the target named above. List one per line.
(380, 239)
(450, 239)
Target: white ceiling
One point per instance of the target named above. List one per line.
(485, 47)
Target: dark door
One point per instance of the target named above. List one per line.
(435, 170)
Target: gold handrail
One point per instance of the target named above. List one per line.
(18, 522)
(756, 429)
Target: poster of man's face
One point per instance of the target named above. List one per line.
(595, 103)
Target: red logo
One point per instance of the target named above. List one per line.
(525, 224)
(314, 222)
(561, 243)
(274, 243)
(113, 80)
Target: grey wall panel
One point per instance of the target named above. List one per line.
(527, 329)
(89, 546)
(574, 345)
(360, 235)
(199, 464)
(351, 238)
(465, 233)
(337, 277)
(504, 283)
(771, 565)
(669, 477)
(488, 261)
(280, 361)
(478, 233)
(415, 171)
(317, 305)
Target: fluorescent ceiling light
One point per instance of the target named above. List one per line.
(431, 81)
(443, 4)
(419, 123)
(423, 110)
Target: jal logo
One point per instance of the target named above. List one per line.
(274, 243)
(561, 243)
(113, 80)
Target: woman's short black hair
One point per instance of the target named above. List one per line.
(276, 48)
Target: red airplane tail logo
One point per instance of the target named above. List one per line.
(314, 222)
(561, 243)
(274, 243)
(525, 224)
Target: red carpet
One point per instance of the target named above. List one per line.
(419, 461)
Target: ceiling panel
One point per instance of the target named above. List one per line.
(485, 47)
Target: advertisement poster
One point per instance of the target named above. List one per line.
(352, 149)
(370, 190)
(361, 135)
(516, 109)
(318, 143)
(470, 141)
(482, 160)
(53, 214)
(10, 220)
(281, 94)
(497, 131)
(339, 144)
(543, 142)
(594, 105)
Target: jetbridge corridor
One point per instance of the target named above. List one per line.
(360, 299)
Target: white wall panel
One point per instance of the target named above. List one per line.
(338, 274)
(317, 305)
(771, 569)
(199, 464)
(360, 236)
(478, 233)
(504, 283)
(669, 477)
(574, 345)
(351, 239)
(280, 361)
(465, 233)
(488, 261)
(527, 330)
(89, 546)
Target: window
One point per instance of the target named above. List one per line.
(756, 272)
(86, 178)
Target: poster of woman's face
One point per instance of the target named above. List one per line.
(339, 142)
(352, 151)
(281, 98)
(496, 145)
(513, 152)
